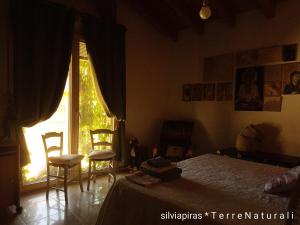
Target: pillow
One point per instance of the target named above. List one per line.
(175, 152)
(284, 182)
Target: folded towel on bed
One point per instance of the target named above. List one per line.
(165, 173)
(142, 179)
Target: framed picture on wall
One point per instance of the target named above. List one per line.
(249, 89)
(197, 92)
(209, 92)
(291, 78)
(272, 88)
(224, 91)
(273, 104)
(187, 92)
(289, 52)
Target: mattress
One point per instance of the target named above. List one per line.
(213, 189)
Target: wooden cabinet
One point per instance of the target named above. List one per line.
(10, 177)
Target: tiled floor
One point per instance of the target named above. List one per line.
(82, 209)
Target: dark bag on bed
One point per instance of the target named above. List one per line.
(159, 162)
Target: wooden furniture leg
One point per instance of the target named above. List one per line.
(79, 176)
(57, 179)
(114, 169)
(66, 183)
(94, 171)
(48, 182)
(89, 175)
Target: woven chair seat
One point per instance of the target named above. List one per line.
(102, 154)
(66, 160)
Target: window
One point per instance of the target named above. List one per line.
(79, 112)
(36, 170)
(91, 113)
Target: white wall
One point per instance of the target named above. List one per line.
(218, 123)
(152, 67)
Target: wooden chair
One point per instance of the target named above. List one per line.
(62, 161)
(104, 154)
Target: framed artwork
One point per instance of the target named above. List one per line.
(273, 104)
(273, 81)
(262, 56)
(291, 78)
(289, 52)
(197, 92)
(249, 89)
(187, 92)
(208, 92)
(272, 88)
(273, 73)
(224, 91)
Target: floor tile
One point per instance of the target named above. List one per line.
(88, 214)
(41, 210)
(32, 198)
(62, 218)
(83, 207)
(8, 217)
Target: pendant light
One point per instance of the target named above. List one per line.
(205, 11)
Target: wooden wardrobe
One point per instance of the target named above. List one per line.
(10, 177)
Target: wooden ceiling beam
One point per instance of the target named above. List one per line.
(184, 11)
(225, 9)
(154, 18)
(107, 9)
(267, 7)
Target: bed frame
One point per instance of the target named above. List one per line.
(262, 157)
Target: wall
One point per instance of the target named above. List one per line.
(217, 122)
(151, 61)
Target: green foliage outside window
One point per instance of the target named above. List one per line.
(92, 114)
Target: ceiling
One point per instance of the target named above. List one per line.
(171, 16)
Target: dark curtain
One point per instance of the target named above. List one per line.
(106, 47)
(43, 36)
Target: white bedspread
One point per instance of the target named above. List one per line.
(209, 183)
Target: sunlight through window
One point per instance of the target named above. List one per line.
(91, 116)
(59, 122)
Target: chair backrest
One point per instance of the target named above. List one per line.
(102, 138)
(53, 148)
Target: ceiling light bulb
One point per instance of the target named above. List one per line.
(205, 11)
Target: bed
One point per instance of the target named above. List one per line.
(218, 185)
